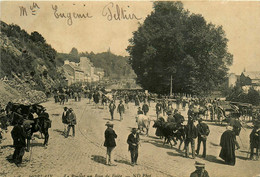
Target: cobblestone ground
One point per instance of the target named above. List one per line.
(84, 154)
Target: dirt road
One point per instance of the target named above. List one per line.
(84, 154)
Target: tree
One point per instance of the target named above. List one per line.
(74, 52)
(172, 39)
(37, 37)
(253, 97)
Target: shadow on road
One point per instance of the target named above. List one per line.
(106, 119)
(37, 144)
(214, 144)
(60, 132)
(99, 159)
(7, 146)
(242, 158)
(174, 154)
(123, 161)
(9, 158)
(158, 143)
(214, 159)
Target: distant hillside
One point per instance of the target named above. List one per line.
(115, 67)
(27, 56)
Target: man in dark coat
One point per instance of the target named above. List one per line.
(19, 135)
(96, 98)
(110, 143)
(255, 141)
(158, 108)
(121, 109)
(133, 142)
(170, 117)
(112, 108)
(200, 170)
(203, 132)
(72, 121)
(145, 108)
(179, 119)
(65, 118)
(235, 123)
(191, 134)
(227, 143)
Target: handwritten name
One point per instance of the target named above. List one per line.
(69, 15)
(115, 12)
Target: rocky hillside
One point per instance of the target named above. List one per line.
(28, 63)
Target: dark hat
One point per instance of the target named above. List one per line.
(200, 119)
(133, 130)
(109, 123)
(169, 112)
(199, 164)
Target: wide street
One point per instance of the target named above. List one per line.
(84, 154)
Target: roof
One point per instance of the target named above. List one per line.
(76, 68)
(252, 74)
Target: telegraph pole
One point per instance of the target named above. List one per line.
(171, 87)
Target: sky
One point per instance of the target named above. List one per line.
(98, 32)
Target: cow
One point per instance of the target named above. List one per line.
(143, 121)
(170, 131)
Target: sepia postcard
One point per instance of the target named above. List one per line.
(118, 49)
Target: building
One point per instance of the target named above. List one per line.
(251, 78)
(232, 79)
(82, 72)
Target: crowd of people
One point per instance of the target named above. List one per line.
(199, 109)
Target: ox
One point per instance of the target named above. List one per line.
(170, 131)
(143, 121)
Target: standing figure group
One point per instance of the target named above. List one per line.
(120, 109)
(110, 143)
(69, 119)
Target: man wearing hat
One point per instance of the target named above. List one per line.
(255, 141)
(133, 142)
(145, 108)
(19, 135)
(158, 108)
(110, 143)
(121, 109)
(170, 117)
(65, 118)
(203, 132)
(200, 170)
(72, 121)
(112, 108)
(191, 133)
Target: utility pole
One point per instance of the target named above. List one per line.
(171, 87)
